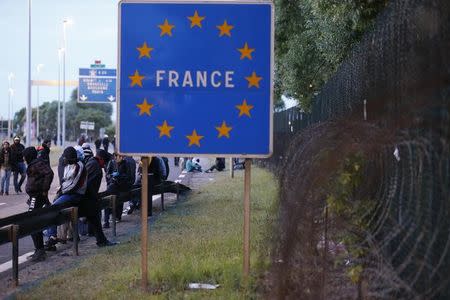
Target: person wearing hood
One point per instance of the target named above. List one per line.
(40, 177)
(89, 205)
(72, 189)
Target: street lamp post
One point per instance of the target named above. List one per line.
(10, 94)
(58, 132)
(65, 23)
(38, 68)
(28, 111)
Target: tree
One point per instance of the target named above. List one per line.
(75, 113)
(312, 38)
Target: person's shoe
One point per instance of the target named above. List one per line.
(61, 241)
(107, 244)
(20, 190)
(38, 255)
(6, 193)
(106, 225)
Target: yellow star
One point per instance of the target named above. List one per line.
(164, 129)
(144, 107)
(253, 80)
(166, 28)
(225, 28)
(194, 138)
(246, 51)
(244, 109)
(196, 20)
(144, 50)
(224, 130)
(136, 79)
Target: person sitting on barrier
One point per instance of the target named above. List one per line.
(40, 177)
(193, 165)
(117, 179)
(219, 165)
(72, 189)
(89, 204)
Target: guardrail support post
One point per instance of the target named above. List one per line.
(162, 200)
(74, 220)
(14, 237)
(114, 208)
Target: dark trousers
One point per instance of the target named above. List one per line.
(95, 225)
(38, 237)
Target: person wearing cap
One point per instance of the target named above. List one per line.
(72, 189)
(17, 149)
(40, 177)
(7, 163)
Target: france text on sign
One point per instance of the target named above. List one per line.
(195, 78)
(97, 85)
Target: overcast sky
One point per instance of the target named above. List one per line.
(92, 36)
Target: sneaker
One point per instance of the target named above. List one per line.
(6, 193)
(38, 255)
(20, 190)
(107, 244)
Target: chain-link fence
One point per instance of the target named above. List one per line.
(365, 201)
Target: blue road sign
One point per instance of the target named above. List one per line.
(97, 85)
(195, 78)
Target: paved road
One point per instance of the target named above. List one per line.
(16, 203)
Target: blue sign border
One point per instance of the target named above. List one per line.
(245, 155)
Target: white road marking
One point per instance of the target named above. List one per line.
(178, 181)
(8, 265)
(156, 197)
(184, 172)
(2, 203)
(181, 176)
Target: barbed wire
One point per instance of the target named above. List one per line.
(386, 110)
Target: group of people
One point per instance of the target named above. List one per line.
(12, 162)
(80, 174)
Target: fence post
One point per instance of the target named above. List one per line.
(14, 238)
(114, 208)
(231, 168)
(74, 220)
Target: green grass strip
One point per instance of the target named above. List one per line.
(198, 240)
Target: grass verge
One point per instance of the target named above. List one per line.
(198, 240)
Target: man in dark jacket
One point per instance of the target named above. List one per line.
(89, 205)
(8, 164)
(40, 177)
(17, 150)
(118, 180)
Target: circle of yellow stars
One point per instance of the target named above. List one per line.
(224, 30)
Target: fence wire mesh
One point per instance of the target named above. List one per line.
(365, 177)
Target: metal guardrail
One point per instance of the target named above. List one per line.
(14, 227)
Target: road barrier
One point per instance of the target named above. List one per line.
(14, 227)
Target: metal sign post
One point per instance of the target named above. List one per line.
(144, 225)
(248, 163)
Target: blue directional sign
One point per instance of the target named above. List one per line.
(97, 85)
(195, 78)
